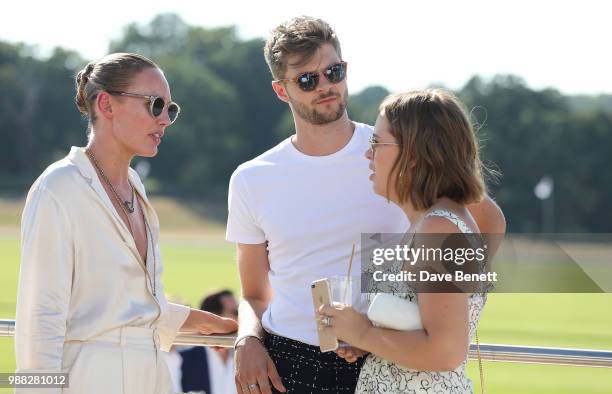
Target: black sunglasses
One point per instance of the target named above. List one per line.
(310, 80)
(156, 104)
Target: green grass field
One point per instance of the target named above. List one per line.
(197, 260)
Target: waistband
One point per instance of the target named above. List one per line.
(127, 336)
(275, 340)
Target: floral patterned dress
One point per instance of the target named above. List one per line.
(380, 376)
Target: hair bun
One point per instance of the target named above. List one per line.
(81, 84)
(87, 72)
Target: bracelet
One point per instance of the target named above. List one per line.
(241, 338)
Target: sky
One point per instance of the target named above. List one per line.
(400, 44)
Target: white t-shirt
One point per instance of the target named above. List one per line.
(310, 210)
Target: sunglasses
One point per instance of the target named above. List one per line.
(374, 143)
(310, 80)
(156, 104)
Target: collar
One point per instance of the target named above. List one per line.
(79, 158)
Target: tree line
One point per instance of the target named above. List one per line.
(230, 114)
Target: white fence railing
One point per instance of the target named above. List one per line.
(488, 352)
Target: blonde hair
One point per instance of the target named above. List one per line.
(113, 72)
(438, 148)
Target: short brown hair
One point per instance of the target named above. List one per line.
(438, 148)
(113, 72)
(299, 36)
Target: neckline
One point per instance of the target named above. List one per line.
(327, 158)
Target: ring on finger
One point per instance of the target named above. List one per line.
(326, 320)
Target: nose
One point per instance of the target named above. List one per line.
(324, 84)
(164, 118)
(369, 154)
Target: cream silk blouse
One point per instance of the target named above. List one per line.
(81, 274)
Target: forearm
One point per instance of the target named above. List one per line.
(250, 312)
(413, 349)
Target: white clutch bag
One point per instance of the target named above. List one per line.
(390, 311)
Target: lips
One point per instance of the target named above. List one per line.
(327, 100)
(157, 137)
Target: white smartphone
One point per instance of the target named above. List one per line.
(321, 295)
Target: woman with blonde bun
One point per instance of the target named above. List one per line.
(91, 300)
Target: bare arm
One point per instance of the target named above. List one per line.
(253, 267)
(253, 364)
(441, 345)
(488, 216)
(491, 222)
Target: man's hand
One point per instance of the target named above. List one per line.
(350, 354)
(255, 369)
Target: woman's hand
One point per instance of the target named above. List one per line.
(347, 324)
(207, 323)
(350, 354)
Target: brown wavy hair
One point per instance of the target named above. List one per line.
(299, 36)
(439, 153)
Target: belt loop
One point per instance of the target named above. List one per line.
(121, 339)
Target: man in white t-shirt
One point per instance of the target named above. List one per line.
(295, 212)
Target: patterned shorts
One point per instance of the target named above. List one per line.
(304, 369)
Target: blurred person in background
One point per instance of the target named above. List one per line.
(91, 301)
(211, 369)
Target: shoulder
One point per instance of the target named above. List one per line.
(363, 128)
(361, 137)
(437, 225)
(363, 131)
(273, 157)
(443, 229)
(59, 178)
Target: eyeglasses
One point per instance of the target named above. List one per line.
(156, 104)
(374, 143)
(310, 80)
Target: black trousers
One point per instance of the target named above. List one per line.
(304, 369)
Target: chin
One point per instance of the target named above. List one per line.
(377, 189)
(151, 152)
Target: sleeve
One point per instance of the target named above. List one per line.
(170, 324)
(241, 224)
(45, 283)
